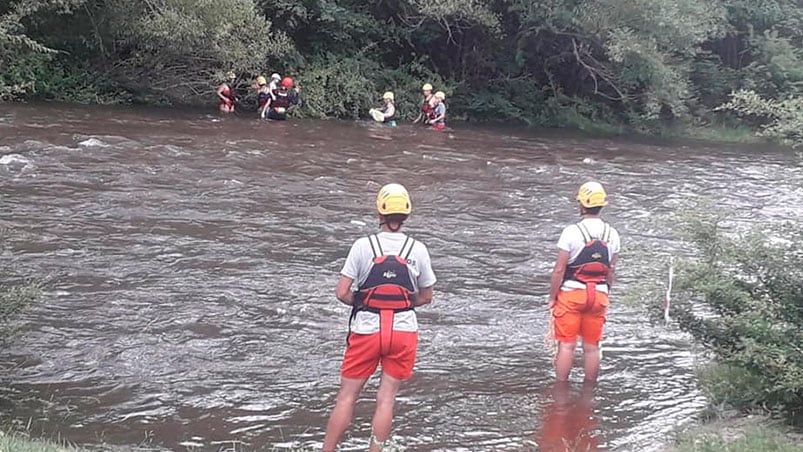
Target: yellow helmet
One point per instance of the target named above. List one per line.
(440, 95)
(388, 95)
(427, 87)
(393, 199)
(261, 81)
(592, 194)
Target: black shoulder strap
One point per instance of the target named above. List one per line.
(376, 247)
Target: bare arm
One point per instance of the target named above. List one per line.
(220, 93)
(612, 270)
(557, 277)
(424, 296)
(343, 290)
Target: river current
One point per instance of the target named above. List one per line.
(191, 263)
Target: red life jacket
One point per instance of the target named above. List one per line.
(592, 265)
(427, 109)
(388, 289)
(229, 93)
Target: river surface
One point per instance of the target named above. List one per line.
(192, 261)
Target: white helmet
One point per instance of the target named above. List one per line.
(275, 77)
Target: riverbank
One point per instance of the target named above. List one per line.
(738, 433)
(15, 442)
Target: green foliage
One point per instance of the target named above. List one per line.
(543, 62)
(751, 290)
(14, 442)
(178, 48)
(782, 120)
(751, 440)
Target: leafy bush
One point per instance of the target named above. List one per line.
(743, 300)
(782, 120)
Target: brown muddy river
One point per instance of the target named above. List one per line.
(192, 264)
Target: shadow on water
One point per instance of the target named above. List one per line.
(194, 261)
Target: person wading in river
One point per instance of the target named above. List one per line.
(227, 94)
(394, 275)
(583, 275)
(426, 105)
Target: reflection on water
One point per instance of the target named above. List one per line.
(568, 423)
(194, 261)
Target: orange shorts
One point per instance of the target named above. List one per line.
(364, 354)
(573, 317)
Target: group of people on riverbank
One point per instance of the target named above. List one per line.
(388, 274)
(276, 96)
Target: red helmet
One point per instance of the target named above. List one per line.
(287, 82)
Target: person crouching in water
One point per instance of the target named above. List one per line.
(426, 105)
(263, 96)
(438, 115)
(283, 98)
(386, 114)
(227, 93)
(393, 275)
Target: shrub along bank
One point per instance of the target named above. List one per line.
(644, 64)
(741, 297)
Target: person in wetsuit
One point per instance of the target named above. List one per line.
(284, 97)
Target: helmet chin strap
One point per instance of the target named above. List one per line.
(392, 229)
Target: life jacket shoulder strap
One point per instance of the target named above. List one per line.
(587, 236)
(584, 232)
(376, 247)
(407, 248)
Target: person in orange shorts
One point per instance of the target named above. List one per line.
(584, 272)
(393, 275)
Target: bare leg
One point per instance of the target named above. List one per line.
(564, 360)
(383, 417)
(340, 419)
(591, 361)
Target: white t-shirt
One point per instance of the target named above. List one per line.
(359, 263)
(572, 240)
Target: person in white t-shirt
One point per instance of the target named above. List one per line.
(584, 272)
(393, 275)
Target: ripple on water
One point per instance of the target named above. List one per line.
(195, 267)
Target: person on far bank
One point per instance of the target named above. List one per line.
(227, 94)
(438, 116)
(584, 272)
(393, 275)
(426, 105)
